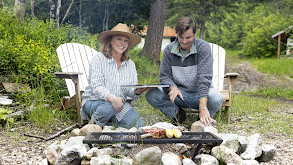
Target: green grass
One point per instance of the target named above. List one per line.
(274, 66)
(259, 115)
(278, 92)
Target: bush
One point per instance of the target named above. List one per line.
(29, 48)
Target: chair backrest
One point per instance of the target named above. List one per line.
(219, 66)
(75, 57)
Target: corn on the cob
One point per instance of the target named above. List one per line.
(169, 133)
(177, 133)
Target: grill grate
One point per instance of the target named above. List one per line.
(134, 137)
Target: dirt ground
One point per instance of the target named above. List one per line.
(15, 148)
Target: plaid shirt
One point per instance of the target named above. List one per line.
(104, 78)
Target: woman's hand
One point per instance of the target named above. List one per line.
(117, 102)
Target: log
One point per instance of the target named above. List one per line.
(53, 136)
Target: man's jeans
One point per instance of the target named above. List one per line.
(160, 99)
(103, 112)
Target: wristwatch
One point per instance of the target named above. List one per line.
(203, 108)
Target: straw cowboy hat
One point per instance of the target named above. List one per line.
(120, 29)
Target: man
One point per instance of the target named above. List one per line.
(187, 66)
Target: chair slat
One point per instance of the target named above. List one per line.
(74, 57)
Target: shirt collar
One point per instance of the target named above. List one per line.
(175, 48)
(111, 60)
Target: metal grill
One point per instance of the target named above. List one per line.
(134, 137)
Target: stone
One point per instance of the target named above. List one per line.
(268, 153)
(121, 129)
(253, 149)
(150, 156)
(230, 141)
(75, 132)
(180, 148)
(89, 154)
(51, 156)
(204, 159)
(210, 129)
(104, 151)
(197, 127)
(188, 161)
(170, 158)
(74, 141)
(164, 125)
(71, 155)
(123, 161)
(5, 101)
(227, 155)
(90, 128)
(85, 162)
(250, 162)
(101, 160)
(54, 146)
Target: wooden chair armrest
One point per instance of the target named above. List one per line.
(68, 75)
(232, 77)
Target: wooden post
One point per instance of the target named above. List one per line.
(279, 46)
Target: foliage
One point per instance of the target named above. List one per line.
(250, 27)
(4, 114)
(259, 28)
(28, 49)
(147, 70)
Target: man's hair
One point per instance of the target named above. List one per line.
(185, 24)
(106, 49)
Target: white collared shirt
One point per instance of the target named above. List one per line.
(104, 78)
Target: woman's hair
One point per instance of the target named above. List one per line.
(106, 49)
(185, 24)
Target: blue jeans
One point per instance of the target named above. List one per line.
(103, 112)
(160, 99)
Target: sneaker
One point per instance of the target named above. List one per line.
(180, 117)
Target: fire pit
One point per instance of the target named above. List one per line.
(134, 137)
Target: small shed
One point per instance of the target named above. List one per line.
(169, 36)
(285, 36)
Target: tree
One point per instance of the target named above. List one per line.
(202, 11)
(19, 9)
(153, 41)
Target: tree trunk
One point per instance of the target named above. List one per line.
(19, 9)
(58, 14)
(106, 16)
(80, 13)
(68, 9)
(202, 29)
(153, 40)
(52, 6)
(33, 10)
(203, 23)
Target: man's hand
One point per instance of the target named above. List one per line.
(174, 92)
(204, 116)
(117, 102)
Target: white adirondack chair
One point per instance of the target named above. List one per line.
(219, 75)
(74, 60)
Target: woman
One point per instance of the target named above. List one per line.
(104, 100)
